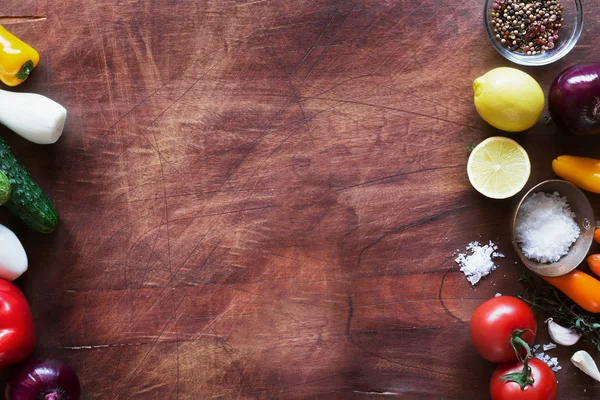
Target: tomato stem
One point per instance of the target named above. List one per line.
(522, 378)
(518, 344)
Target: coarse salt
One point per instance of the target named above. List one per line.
(552, 362)
(477, 260)
(549, 346)
(546, 227)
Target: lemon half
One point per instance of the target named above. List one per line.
(508, 99)
(498, 167)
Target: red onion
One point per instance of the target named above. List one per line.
(574, 99)
(43, 379)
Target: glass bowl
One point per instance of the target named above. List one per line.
(568, 35)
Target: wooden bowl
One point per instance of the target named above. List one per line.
(585, 219)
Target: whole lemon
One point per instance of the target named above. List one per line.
(508, 99)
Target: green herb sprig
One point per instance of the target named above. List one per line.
(544, 297)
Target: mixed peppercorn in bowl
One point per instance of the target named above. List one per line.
(533, 33)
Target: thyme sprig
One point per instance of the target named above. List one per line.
(546, 298)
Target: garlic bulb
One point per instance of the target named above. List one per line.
(586, 363)
(32, 116)
(13, 260)
(561, 335)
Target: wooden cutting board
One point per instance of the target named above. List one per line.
(261, 199)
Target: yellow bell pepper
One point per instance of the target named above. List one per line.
(580, 171)
(17, 59)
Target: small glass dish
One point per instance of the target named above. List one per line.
(568, 35)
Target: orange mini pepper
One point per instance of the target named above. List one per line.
(17, 59)
(581, 171)
(594, 263)
(580, 287)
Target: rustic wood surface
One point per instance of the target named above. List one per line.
(260, 199)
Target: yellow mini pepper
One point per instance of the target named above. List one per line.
(17, 59)
(581, 171)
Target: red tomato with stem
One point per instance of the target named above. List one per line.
(493, 323)
(541, 387)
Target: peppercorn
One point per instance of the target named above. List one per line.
(519, 26)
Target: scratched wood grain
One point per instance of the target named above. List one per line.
(260, 199)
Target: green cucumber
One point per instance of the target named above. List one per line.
(27, 201)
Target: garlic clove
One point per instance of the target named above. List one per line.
(586, 363)
(13, 259)
(561, 335)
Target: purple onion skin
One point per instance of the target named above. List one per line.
(44, 379)
(574, 99)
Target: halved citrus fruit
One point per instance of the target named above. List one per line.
(498, 167)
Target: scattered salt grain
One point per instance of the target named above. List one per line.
(477, 260)
(552, 362)
(498, 295)
(546, 227)
(549, 346)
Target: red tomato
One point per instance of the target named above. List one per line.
(17, 332)
(493, 323)
(543, 387)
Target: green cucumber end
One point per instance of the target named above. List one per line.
(4, 188)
